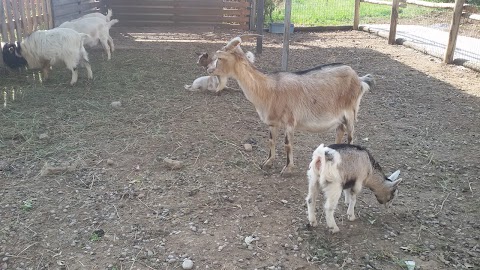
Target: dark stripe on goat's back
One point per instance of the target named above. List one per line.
(301, 72)
(342, 146)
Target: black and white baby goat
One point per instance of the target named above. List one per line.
(346, 167)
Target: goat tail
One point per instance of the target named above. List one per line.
(109, 14)
(111, 23)
(324, 164)
(250, 56)
(368, 82)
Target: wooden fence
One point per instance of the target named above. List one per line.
(66, 10)
(19, 18)
(223, 13)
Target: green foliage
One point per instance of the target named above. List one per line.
(330, 12)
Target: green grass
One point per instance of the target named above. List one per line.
(331, 12)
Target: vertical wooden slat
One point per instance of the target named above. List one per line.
(253, 7)
(11, 27)
(28, 17)
(38, 5)
(50, 13)
(393, 23)
(21, 7)
(452, 36)
(46, 14)
(3, 23)
(18, 23)
(43, 16)
(356, 17)
(34, 15)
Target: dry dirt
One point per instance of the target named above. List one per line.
(84, 185)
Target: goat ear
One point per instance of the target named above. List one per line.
(316, 164)
(394, 176)
(233, 43)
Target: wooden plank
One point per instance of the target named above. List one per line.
(18, 20)
(236, 4)
(28, 17)
(465, 7)
(34, 15)
(74, 9)
(393, 23)
(452, 36)
(44, 13)
(356, 16)
(40, 18)
(21, 7)
(252, 14)
(3, 24)
(50, 13)
(10, 22)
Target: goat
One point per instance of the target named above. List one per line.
(105, 18)
(98, 30)
(45, 48)
(99, 15)
(318, 99)
(204, 83)
(346, 167)
(212, 83)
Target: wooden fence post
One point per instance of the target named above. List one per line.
(3, 23)
(260, 19)
(286, 34)
(393, 23)
(253, 8)
(356, 18)
(452, 36)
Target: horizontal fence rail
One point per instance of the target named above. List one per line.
(66, 10)
(234, 14)
(19, 18)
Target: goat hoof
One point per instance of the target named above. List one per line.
(334, 229)
(267, 164)
(351, 217)
(312, 224)
(286, 171)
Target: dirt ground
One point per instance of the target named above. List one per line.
(84, 185)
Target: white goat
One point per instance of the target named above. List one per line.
(209, 83)
(100, 15)
(45, 48)
(212, 83)
(346, 167)
(98, 30)
(318, 99)
(106, 18)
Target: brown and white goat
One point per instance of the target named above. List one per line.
(346, 167)
(319, 99)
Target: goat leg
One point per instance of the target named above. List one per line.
(271, 145)
(289, 151)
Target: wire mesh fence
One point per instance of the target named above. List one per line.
(426, 26)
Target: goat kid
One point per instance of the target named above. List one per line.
(319, 99)
(212, 83)
(46, 48)
(346, 167)
(97, 29)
